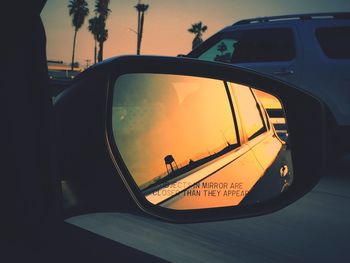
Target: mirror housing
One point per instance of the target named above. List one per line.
(305, 114)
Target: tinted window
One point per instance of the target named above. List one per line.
(334, 41)
(251, 116)
(257, 45)
(221, 51)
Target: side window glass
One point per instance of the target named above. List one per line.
(251, 116)
(271, 106)
(253, 45)
(334, 41)
(220, 52)
(263, 45)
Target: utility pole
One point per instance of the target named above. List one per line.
(141, 9)
(138, 28)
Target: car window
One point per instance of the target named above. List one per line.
(254, 45)
(251, 116)
(265, 117)
(334, 41)
(221, 51)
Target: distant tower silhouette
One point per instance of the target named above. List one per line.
(169, 160)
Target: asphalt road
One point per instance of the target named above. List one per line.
(316, 228)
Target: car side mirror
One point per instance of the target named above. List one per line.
(194, 140)
(197, 137)
(195, 143)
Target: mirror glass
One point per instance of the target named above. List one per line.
(192, 143)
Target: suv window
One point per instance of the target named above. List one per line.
(334, 41)
(222, 51)
(253, 45)
(249, 111)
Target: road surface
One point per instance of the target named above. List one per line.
(316, 228)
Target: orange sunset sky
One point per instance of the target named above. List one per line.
(166, 23)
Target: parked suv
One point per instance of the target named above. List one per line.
(310, 51)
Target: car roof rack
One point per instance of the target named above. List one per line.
(335, 15)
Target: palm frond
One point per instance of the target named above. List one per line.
(141, 7)
(79, 10)
(101, 8)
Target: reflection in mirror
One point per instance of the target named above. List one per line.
(191, 142)
(275, 112)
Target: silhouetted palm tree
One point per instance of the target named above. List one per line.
(102, 11)
(101, 8)
(223, 57)
(141, 9)
(222, 48)
(101, 38)
(94, 29)
(197, 29)
(78, 10)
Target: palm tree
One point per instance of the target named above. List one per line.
(141, 9)
(102, 11)
(101, 8)
(102, 37)
(222, 48)
(94, 29)
(198, 29)
(78, 10)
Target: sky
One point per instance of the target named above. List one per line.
(166, 23)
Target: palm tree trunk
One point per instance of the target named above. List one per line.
(95, 51)
(74, 39)
(196, 41)
(141, 32)
(100, 52)
(101, 56)
(138, 33)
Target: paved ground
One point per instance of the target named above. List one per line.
(314, 229)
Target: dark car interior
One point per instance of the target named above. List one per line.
(32, 227)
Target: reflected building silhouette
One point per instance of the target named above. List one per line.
(169, 161)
